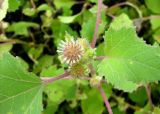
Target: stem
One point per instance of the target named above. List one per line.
(5, 43)
(105, 99)
(85, 78)
(100, 57)
(12, 41)
(97, 24)
(92, 70)
(129, 4)
(148, 18)
(33, 4)
(134, 107)
(148, 91)
(52, 79)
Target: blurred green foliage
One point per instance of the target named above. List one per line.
(32, 30)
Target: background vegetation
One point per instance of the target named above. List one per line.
(32, 30)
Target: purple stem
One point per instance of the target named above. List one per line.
(52, 79)
(148, 91)
(4, 43)
(98, 18)
(105, 99)
(100, 57)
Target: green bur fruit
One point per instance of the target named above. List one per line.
(81, 68)
(130, 62)
(89, 53)
(78, 70)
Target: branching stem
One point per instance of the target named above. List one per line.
(98, 18)
(129, 4)
(105, 99)
(52, 79)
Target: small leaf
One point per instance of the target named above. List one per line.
(153, 5)
(21, 28)
(155, 27)
(20, 91)
(130, 61)
(29, 11)
(44, 7)
(59, 29)
(63, 3)
(51, 71)
(60, 91)
(13, 5)
(94, 1)
(93, 104)
(68, 19)
(43, 62)
(139, 96)
(35, 52)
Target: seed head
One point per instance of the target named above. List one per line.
(70, 51)
(78, 70)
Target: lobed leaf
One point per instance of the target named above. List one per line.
(130, 61)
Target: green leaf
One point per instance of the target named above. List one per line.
(44, 7)
(156, 28)
(43, 62)
(100, 50)
(63, 3)
(29, 11)
(68, 19)
(51, 71)
(93, 104)
(13, 5)
(3, 8)
(145, 110)
(21, 27)
(35, 52)
(153, 5)
(20, 91)
(129, 60)
(94, 1)
(4, 47)
(116, 110)
(59, 30)
(60, 91)
(139, 96)
(24, 63)
(51, 107)
(89, 26)
(156, 110)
